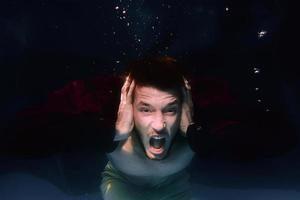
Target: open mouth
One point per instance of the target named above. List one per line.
(157, 141)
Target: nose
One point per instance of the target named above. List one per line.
(158, 123)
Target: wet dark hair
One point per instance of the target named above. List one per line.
(163, 73)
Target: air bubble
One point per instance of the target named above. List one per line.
(256, 70)
(261, 33)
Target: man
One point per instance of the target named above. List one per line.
(153, 117)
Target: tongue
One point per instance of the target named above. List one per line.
(157, 142)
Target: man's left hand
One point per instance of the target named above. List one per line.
(187, 111)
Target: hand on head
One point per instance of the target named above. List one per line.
(124, 123)
(187, 108)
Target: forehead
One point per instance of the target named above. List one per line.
(151, 95)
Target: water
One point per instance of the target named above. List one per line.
(269, 179)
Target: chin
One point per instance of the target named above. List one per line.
(156, 154)
(155, 157)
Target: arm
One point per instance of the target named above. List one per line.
(124, 123)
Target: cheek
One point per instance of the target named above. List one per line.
(137, 118)
(174, 123)
(140, 121)
(176, 118)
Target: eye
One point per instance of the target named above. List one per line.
(171, 110)
(145, 110)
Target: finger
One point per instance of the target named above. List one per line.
(186, 84)
(125, 88)
(185, 95)
(188, 89)
(189, 96)
(187, 102)
(123, 97)
(130, 91)
(126, 84)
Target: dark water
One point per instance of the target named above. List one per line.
(45, 44)
(67, 177)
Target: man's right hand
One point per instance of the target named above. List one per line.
(124, 123)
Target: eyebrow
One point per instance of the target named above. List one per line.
(143, 104)
(175, 102)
